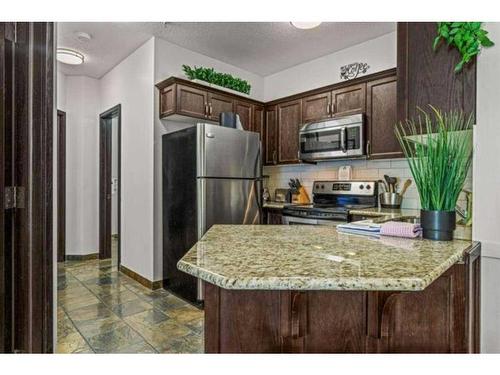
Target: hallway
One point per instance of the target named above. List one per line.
(100, 310)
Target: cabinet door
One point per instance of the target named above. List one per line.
(427, 77)
(349, 100)
(289, 121)
(381, 116)
(271, 136)
(167, 101)
(244, 110)
(316, 107)
(218, 103)
(191, 102)
(258, 126)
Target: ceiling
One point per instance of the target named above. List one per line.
(263, 48)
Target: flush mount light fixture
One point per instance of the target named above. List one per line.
(69, 56)
(305, 25)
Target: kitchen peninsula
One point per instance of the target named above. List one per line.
(310, 289)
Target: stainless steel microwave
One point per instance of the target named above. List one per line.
(342, 137)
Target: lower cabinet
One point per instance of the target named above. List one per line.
(443, 318)
(273, 216)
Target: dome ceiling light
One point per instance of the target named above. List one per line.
(305, 25)
(69, 56)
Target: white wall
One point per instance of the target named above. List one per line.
(379, 53)
(168, 62)
(131, 84)
(61, 91)
(486, 193)
(82, 152)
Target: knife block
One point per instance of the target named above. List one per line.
(301, 197)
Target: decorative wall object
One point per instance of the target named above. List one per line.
(351, 71)
(221, 79)
(467, 37)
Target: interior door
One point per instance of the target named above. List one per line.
(61, 186)
(228, 201)
(26, 156)
(105, 165)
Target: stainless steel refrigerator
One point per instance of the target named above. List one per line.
(211, 175)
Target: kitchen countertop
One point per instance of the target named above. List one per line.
(275, 205)
(282, 257)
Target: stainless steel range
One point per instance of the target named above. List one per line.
(332, 202)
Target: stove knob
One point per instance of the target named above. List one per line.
(317, 186)
(368, 187)
(322, 186)
(361, 187)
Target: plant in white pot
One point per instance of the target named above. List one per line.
(438, 147)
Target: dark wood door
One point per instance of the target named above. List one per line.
(244, 110)
(167, 101)
(218, 103)
(381, 117)
(105, 165)
(289, 121)
(61, 186)
(427, 77)
(316, 107)
(271, 136)
(349, 100)
(26, 148)
(191, 101)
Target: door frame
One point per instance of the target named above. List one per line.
(105, 164)
(61, 186)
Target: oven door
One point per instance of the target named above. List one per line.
(292, 220)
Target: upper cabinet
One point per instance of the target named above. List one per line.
(190, 102)
(270, 139)
(427, 77)
(289, 121)
(244, 110)
(381, 116)
(217, 104)
(349, 100)
(316, 107)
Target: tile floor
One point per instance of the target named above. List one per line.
(100, 310)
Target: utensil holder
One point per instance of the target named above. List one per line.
(390, 200)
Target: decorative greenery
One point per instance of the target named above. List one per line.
(222, 79)
(467, 37)
(439, 151)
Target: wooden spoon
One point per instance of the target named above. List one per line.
(406, 185)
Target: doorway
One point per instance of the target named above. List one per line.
(110, 184)
(61, 186)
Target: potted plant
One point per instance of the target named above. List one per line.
(438, 147)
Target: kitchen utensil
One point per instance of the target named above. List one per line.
(387, 180)
(390, 200)
(384, 184)
(406, 185)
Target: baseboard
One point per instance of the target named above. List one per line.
(141, 279)
(82, 257)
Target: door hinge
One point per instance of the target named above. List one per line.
(13, 197)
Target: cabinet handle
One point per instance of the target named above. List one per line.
(328, 109)
(334, 108)
(210, 109)
(206, 109)
(274, 157)
(368, 146)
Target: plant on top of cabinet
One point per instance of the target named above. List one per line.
(467, 37)
(438, 147)
(221, 79)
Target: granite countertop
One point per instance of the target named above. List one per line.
(282, 257)
(275, 205)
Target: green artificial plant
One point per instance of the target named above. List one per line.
(221, 79)
(467, 37)
(438, 147)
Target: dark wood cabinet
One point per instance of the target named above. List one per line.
(218, 103)
(273, 216)
(316, 107)
(191, 102)
(244, 110)
(442, 318)
(271, 136)
(427, 77)
(381, 116)
(167, 101)
(289, 121)
(349, 100)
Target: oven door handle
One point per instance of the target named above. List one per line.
(343, 140)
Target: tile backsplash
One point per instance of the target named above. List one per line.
(279, 175)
